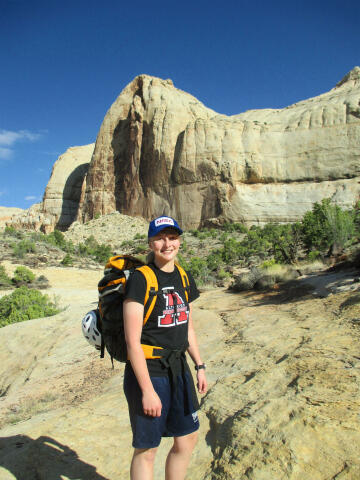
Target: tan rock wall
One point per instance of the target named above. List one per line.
(160, 150)
(62, 196)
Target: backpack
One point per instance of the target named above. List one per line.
(111, 290)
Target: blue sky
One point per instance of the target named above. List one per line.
(63, 63)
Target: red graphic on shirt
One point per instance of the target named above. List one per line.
(175, 312)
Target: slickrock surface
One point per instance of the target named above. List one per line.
(283, 403)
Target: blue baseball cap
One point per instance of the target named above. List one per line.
(160, 223)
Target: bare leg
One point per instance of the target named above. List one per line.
(142, 464)
(179, 456)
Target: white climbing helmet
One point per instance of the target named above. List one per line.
(90, 329)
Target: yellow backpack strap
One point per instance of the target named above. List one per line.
(185, 280)
(151, 290)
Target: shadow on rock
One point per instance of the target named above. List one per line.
(43, 459)
(289, 292)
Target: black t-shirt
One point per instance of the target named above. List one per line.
(167, 325)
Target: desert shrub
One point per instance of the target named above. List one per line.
(100, 252)
(214, 260)
(12, 232)
(213, 233)
(314, 255)
(23, 275)
(57, 238)
(127, 244)
(5, 280)
(21, 248)
(141, 248)
(231, 250)
(234, 227)
(356, 213)
(268, 263)
(223, 237)
(41, 282)
(198, 268)
(25, 304)
(222, 274)
(139, 236)
(281, 273)
(327, 227)
(184, 245)
(246, 281)
(67, 260)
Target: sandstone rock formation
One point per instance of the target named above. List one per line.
(283, 402)
(63, 194)
(6, 213)
(159, 150)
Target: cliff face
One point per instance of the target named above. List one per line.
(63, 194)
(159, 150)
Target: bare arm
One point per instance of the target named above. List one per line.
(133, 323)
(194, 353)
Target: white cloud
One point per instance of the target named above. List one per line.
(30, 198)
(8, 137)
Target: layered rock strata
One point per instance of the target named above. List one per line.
(159, 150)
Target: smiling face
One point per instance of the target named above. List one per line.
(165, 246)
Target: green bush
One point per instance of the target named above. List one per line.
(57, 238)
(139, 236)
(67, 260)
(222, 274)
(23, 275)
(314, 255)
(268, 263)
(25, 304)
(234, 227)
(102, 253)
(5, 280)
(214, 261)
(327, 227)
(141, 248)
(21, 248)
(12, 232)
(91, 248)
(198, 268)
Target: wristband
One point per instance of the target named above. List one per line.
(199, 367)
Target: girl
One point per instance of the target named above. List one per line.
(160, 392)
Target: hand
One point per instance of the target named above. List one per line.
(151, 403)
(201, 381)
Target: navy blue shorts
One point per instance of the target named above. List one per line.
(147, 431)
